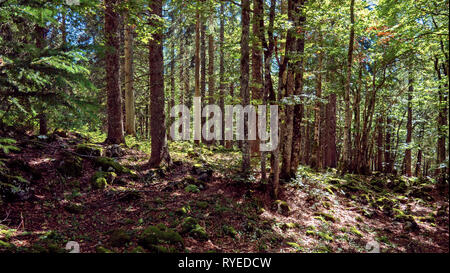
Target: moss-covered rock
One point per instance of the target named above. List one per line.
(75, 208)
(202, 204)
(152, 236)
(282, 207)
(119, 238)
(14, 187)
(326, 216)
(191, 188)
(101, 249)
(229, 231)
(101, 179)
(108, 164)
(89, 149)
(71, 166)
(190, 225)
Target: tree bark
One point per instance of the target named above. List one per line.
(222, 68)
(298, 109)
(245, 94)
(409, 129)
(347, 148)
(114, 101)
(130, 120)
(159, 150)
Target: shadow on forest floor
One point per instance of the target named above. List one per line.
(62, 188)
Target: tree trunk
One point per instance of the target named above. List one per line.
(409, 129)
(159, 150)
(331, 151)
(317, 116)
(347, 149)
(300, 19)
(379, 158)
(387, 149)
(245, 94)
(115, 114)
(130, 121)
(257, 75)
(222, 69)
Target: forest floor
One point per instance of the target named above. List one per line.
(53, 192)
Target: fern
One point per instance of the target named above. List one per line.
(7, 145)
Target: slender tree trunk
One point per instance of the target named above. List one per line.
(257, 75)
(159, 148)
(347, 149)
(409, 129)
(300, 19)
(289, 89)
(269, 93)
(130, 121)
(203, 66)
(379, 158)
(245, 94)
(197, 63)
(222, 68)
(442, 118)
(331, 151)
(211, 74)
(387, 150)
(114, 102)
(317, 116)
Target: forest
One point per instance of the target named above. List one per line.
(224, 126)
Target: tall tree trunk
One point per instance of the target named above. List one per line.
(115, 114)
(379, 158)
(203, 65)
(198, 127)
(222, 69)
(211, 74)
(41, 34)
(181, 70)
(409, 129)
(288, 88)
(331, 151)
(257, 75)
(442, 118)
(269, 93)
(245, 94)
(347, 149)
(159, 148)
(387, 150)
(317, 115)
(300, 19)
(130, 120)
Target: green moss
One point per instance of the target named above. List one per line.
(191, 188)
(6, 247)
(101, 179)
(108, 164)
(229, 230)
(75, 208)
(89, 149)
(153, 235)
(190, 225)
(202, 204)
(355, 231)
(71, 166)
(326, 216)
(99, 183)
(282, 207)
(138, 249)
(101, 249)
(402, 216)
(119, 238)
(183, 210)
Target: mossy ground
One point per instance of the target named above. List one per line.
(150, 210)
